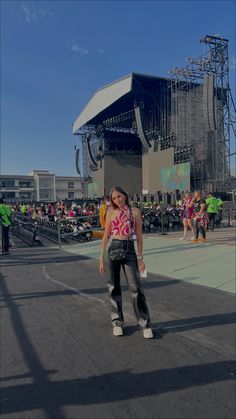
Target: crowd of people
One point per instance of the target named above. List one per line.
(54, 211)
(198, 212)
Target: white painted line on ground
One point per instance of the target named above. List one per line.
(77, 291)
(66, 286)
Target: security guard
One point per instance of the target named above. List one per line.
(5, 219)
(212, 209)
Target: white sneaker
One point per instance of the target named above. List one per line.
(183, 238)
(117, 331)
(193, 238)
(147, 333)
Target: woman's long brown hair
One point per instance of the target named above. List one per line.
(118, 189)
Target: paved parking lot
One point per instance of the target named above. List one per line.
(60, 360)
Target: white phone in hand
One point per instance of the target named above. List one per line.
(143, 274)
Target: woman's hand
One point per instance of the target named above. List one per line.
(141, 265)
(102, 266)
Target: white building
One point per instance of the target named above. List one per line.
(69, 187)
(40, 185)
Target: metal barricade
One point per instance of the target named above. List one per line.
(228, 217)
(24, 230)
(59, 232)
(78, 228)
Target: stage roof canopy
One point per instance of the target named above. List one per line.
(107, 96)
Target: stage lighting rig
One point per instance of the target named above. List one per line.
(182, 154)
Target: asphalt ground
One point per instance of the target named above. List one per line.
(60, 360)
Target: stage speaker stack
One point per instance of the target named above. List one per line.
(209, 103)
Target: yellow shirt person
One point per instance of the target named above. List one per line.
(103, 212)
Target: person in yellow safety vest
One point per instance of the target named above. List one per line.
(24, 209)
(5, 219)
(212, 209)
(103, 211)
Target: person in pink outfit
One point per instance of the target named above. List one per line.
(187, 206)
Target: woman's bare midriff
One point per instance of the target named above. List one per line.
(120, 237)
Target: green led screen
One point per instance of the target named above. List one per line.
(176, 177)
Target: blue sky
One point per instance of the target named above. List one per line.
(55, 54)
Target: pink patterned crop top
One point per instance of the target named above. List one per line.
(123, 224)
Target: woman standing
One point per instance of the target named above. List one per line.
(200, 217)
(187, 206)
(123, 226)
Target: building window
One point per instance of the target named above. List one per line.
(8, 184)
(45, 182)
(45, 188)
(45, 195)
(25, 184)
(71, 195)
(70, 185)
(25, 195)
(7, 195)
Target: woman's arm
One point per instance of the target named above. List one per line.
(106, 233)
(139, 234)
(138, 221)
(190, 204)
(100, 217)
(203, 207)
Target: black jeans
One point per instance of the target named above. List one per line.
(5, 238)
(198, 228)
(112, 269)
(211, 216)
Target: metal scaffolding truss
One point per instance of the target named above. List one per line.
(120, 121)
(214, 64)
